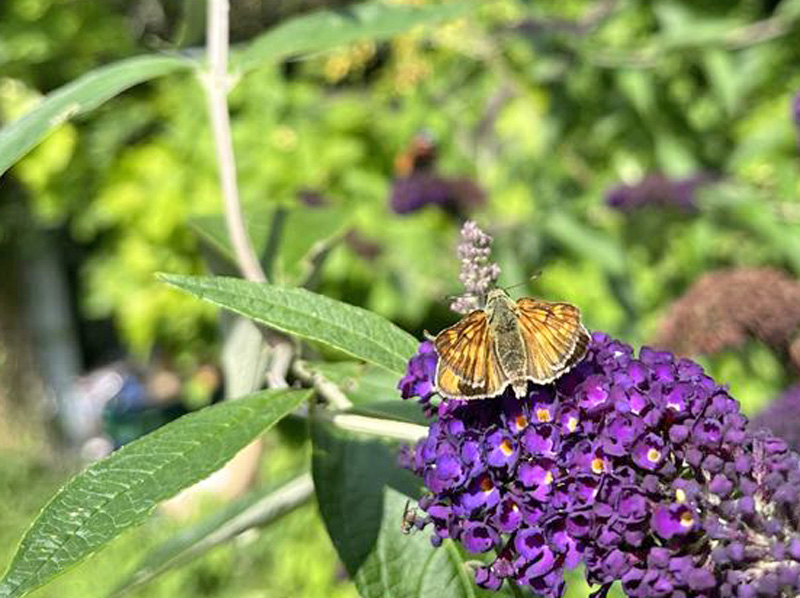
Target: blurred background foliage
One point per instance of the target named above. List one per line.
(623, 148)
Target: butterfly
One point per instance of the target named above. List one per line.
(508, 343)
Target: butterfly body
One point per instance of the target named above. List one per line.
(508, 343)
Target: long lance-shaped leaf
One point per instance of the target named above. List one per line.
(350, 329)
(80, 96)
(121, 490)
(325, 30)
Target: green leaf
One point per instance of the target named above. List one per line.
(404, 411)
(587, 243)
(724, 76)
(308, 233)
(212, 229)
(361, 382)
(314, 317)
(78, 97)
(121, 490)
(256, 509)
(739, 206)
(300, 236)
(362, 497)
(327, 29)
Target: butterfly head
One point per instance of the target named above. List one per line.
(496, 300)
(495, 296)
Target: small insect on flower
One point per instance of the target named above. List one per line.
(508, 343)
(409, 518)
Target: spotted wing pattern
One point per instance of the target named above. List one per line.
(554, 338)
(467, 366)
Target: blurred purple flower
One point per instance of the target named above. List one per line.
(659, 191)
(417, 184)
(642, 468)
(782, 417)
(796, 116)
(455, 195)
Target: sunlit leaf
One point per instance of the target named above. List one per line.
(353, 330)
(325, 30)
(121, 490)
(80, 96)
(288, 239)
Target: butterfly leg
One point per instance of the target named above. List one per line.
(520, 388)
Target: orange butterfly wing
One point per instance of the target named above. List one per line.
(554, 337)
(467, 366)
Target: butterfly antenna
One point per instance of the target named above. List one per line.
(519, 284)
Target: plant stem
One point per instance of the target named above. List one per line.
(217, 83)
(386, 428)
(324, 387)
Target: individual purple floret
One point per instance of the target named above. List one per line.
(659, 191)
(782, 417)
(640, 467)
(478, 273)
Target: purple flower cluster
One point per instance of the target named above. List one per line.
(782, 417)
(657, 190)
(642, 468)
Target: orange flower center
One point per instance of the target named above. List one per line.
(598, 466)
(543, 415)
(506, 447)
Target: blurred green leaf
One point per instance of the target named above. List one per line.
(675, 158)
(587, 243)
(307, 234)
(325, 30)
(638, 86)
(212, 229)
(256, 509)
(747, 210)
(78, 97)
(362, 497)
(361, 382)
(684, 27)
(121, 490)
(288, 240)
(722, 73)
(350, 329)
